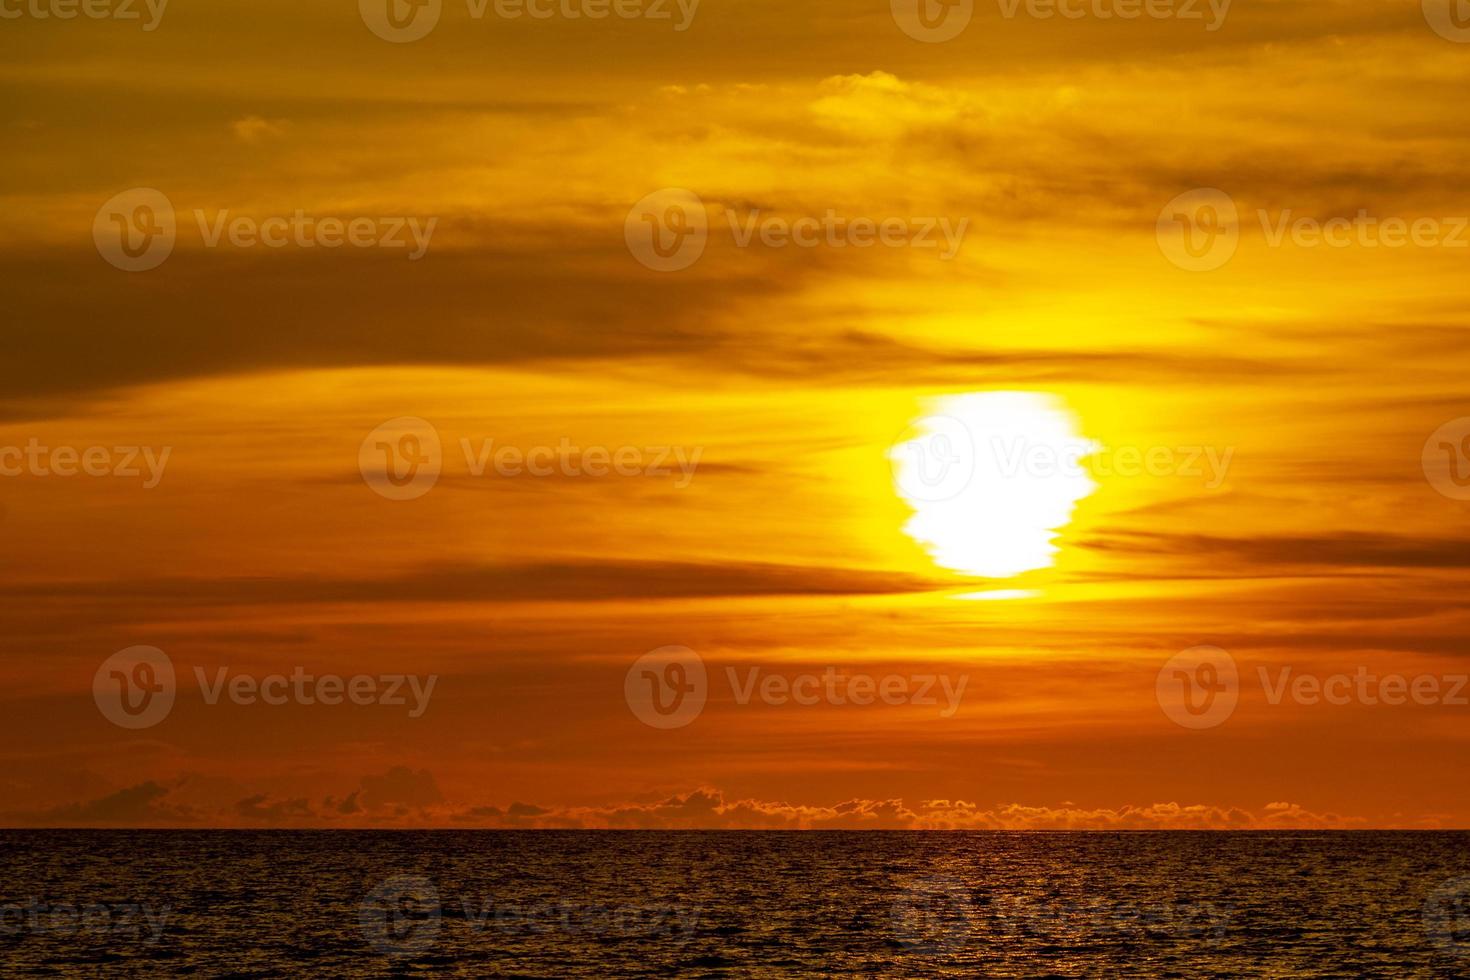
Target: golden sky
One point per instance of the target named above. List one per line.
(787, 377)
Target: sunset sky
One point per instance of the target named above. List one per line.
(789, 377)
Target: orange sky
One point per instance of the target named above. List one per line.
(783, 375)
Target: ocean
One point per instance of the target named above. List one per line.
(733, 904)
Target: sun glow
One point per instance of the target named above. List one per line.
(997, 595)
(992, 477)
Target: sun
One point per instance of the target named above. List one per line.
(992, 477)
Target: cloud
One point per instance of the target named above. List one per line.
(708, 809)
(1264, 554)
(407, 798)
(579, 581)
(389, 798)
(880, 106)
(140, 805)
(347, 806)
(526, 811)
(260, 807)
(549, 306)
(217, 312)
(254, 129)
(541, 276)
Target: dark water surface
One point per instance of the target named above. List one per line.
(633, 904)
